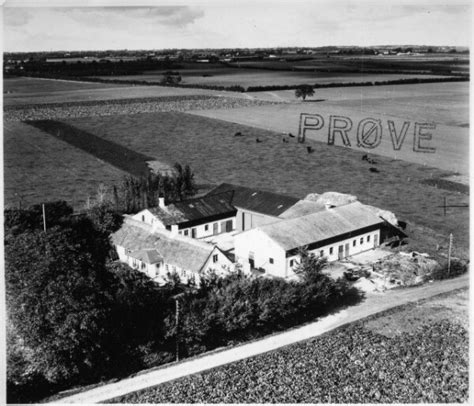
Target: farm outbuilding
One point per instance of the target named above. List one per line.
(334, 233)
(255, 207)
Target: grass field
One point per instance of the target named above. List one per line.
(416, 353)
(40, 168)
(259, 77)
(213, 152)
(446, 104)
(26, 91)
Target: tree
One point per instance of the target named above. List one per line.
(303, 91)
(57, 302)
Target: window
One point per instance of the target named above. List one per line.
(361, 240)
(368, 238)
(321, 253)
(167, 268)
(206, 227)
(215, 258)
(143, 217)
(185, 232)
(354, 243)
(142, 265)
(331, 250)
(271, 260)
(292, 261)
(180, 232)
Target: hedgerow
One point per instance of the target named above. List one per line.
(350, 365)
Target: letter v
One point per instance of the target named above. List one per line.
(397, 140)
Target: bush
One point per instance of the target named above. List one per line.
(457, 268)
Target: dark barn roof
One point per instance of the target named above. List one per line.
(272, 204)
(206, 206)
(193, 211)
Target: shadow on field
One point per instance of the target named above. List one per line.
(314, 101)
(108, 151)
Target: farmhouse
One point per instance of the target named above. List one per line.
(158, 253)
(197, 218)
(334, 233)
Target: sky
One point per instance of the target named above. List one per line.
(232, 24)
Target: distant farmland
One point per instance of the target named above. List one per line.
(259, 77)
(27, 91)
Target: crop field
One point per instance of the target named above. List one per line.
(259, 77)
(386, 63)
(417, 353)
(40, 168)
(27, 91)
(216, 155)
(445, 104)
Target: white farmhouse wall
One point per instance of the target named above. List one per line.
(369, 240)
(208, 229)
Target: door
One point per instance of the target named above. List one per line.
(346, 253)
(340, 252)
(215, 229)
(193, 233)
(376, 240)
(228, 226)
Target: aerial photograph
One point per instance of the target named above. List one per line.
(232, 202)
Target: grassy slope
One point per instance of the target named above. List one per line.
(217, 156)
(416, 353)
(39, 167)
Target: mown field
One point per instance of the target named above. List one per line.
(216, 155)
(417, 353)
(259, 77)
(39, 168)
(445, 104)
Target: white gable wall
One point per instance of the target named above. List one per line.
(257, 245)
(146, 216)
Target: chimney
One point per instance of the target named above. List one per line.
(161, 202)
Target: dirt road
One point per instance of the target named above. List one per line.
(374, 303)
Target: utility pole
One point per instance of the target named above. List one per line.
(44, 218)
(177, 329)
(449, 252)
(178, 333)
(445, 205)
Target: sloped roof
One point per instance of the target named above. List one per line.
(195, 209)
(186, 253)
(302, 208)
(301, 231)
(147, 256)
(272, 204)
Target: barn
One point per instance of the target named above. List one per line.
(334, 233)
